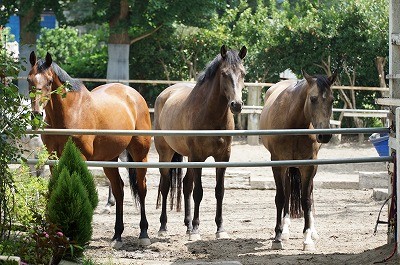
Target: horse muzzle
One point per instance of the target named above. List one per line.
(236, 107)
(324, 138)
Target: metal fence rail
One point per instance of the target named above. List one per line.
(209, 132)
(224, 164)
(215, 133)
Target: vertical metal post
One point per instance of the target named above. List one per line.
(253, 99)
(397, 174)
(394, 88)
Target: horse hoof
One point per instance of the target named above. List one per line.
(194, 237)
(221, 235)
(285, 236)
(116, 244)
(162, 233)
(106, 210)
(314, 235)
(310, 246)
(144, 242)
(277, 245)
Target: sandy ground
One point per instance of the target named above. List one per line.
(345, 220)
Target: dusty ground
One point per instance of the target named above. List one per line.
(345, 220)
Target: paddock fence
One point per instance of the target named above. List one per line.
(200, 133)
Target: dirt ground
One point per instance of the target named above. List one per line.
(345, 221)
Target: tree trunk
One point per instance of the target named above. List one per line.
(27, 44)
(118, 43)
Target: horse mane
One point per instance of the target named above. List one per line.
(76, 84)
(323, 82)
(232, 58)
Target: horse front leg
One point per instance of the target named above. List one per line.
(197, 198)
(110, 201)
(219, 196)
(187, 194)
(117, 186)
(279, 203)
(309, 232)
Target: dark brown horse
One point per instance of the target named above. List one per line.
(305, 104)
(110, 106)
(209, 105)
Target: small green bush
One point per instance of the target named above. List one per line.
(71, 159)
(70, 209)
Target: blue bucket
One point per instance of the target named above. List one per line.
(381, 143)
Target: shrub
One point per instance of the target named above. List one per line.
(69, 208)
(71, 159)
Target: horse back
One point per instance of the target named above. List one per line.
(170, 107)
(124, 104)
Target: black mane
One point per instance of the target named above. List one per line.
(232, 58)
(76, 84)
(323, 82)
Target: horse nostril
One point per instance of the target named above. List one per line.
(324, 138)
(236, 107)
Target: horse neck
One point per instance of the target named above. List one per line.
(61, 107)
(296, 109)
(215, 104)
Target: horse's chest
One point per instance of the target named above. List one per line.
(295, 147)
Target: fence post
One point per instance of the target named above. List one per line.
(253, 99)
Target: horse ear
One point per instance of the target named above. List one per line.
(49, 60)
(223, 51)
(32, 58)
(243, 52)
(333, 77)
(306, 76)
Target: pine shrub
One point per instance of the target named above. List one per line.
(71, 159)
(70, 209)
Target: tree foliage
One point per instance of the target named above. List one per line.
(14, 119)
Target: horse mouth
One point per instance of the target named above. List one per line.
(324, 138)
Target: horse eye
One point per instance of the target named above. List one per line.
(313, 99)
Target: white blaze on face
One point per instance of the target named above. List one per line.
(40, 81)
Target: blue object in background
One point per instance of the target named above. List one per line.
(46, 21)
(381, 143)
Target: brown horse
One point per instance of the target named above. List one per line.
(305, 104)
(209, 105)
(109, 106)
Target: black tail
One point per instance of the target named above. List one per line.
(132, 180)
(175, 177)
(295, 192)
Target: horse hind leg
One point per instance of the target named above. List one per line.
(137, 180)
(197, 198)
(111, 200)
(117, 186)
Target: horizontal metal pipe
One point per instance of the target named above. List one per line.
(224, 164)
(209, 132)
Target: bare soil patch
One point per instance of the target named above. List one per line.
(345, 221)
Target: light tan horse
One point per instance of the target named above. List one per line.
(209, 105)
(305, 104)
(110, 106)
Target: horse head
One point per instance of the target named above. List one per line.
(319, 101)
(40, 79)
(232, 74)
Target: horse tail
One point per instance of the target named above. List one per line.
(132, 179)
(295, 192)
(175, 175)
